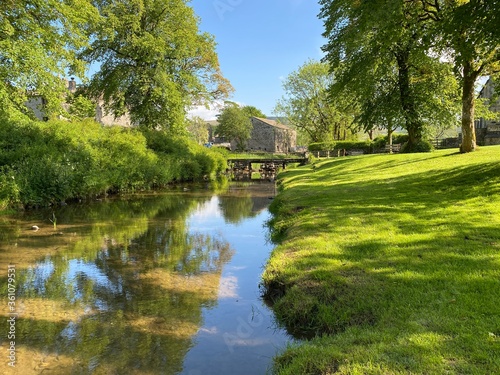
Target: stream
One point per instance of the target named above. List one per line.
(158, 283)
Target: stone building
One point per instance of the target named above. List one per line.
(271, 136)
(107, 119)
(37, 103)
(488, 131)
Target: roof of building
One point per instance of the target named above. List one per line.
(273, 123)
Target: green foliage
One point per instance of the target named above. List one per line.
(38, 41)
(252, 111)
(154, 61)
(9, 191)
(320, 146)
(366, 146)
(198, 130)
(399, 138)
(190, 160)
(307, 107)
(234, 124)
(80, 107)
(389, 43)
(48, 162)
(381, 141)
(397, 49)
(421, 146)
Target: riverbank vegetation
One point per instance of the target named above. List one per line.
(43, 163)
(389, 264)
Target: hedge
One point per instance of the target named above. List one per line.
(43, 163)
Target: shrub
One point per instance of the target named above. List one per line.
(53, 161)
(321, 146)
(341, 145)
(422, 146)
(379, 142)
(353, 145)
(399, 138)
(9, 191)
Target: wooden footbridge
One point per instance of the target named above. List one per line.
(267, 167)
(278, 163)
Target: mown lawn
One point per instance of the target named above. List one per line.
(391, 263)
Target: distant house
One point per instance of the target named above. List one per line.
(37, 104)
(107, 119)
(271, 136)
(267, 136)
(488, 131)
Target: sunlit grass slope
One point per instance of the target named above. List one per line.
(392, 262)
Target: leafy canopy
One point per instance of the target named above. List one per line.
(307, 106)
(234, 124)
(154, 61)
(39, 41)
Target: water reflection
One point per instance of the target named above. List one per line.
(129, 286)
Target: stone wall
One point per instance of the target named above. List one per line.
(488, 131)
(37, 105)
(107, 119)
(262, 137)
(269, 136)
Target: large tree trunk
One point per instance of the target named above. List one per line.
(413, 124)
(468, 106)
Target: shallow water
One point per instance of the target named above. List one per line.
(165, 283)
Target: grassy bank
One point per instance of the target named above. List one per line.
(43, 163)
(391, 262)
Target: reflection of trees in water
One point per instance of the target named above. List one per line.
(236, 209)
(136, 279)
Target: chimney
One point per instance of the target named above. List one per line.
(72, 85)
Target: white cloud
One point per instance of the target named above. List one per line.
(228, 287)
(209, 330)
(205, 113)
(209, 113)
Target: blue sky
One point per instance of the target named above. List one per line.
(259, 43)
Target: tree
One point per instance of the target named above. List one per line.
(198, 129)
(252, 111)
(381, 41)
(234, 124)
(468, 29)
(380, 108)
(38, 45)
(154, 61)
(79, 106)
(307, 107)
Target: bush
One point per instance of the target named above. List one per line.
(9, 191)
(321, 146)
(341, 145)
(422, 146)
(399, 138)
(353, 145)
(379, 142)
(43, 163)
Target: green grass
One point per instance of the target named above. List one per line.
(390, 264)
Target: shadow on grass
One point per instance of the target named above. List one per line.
(414, 254)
